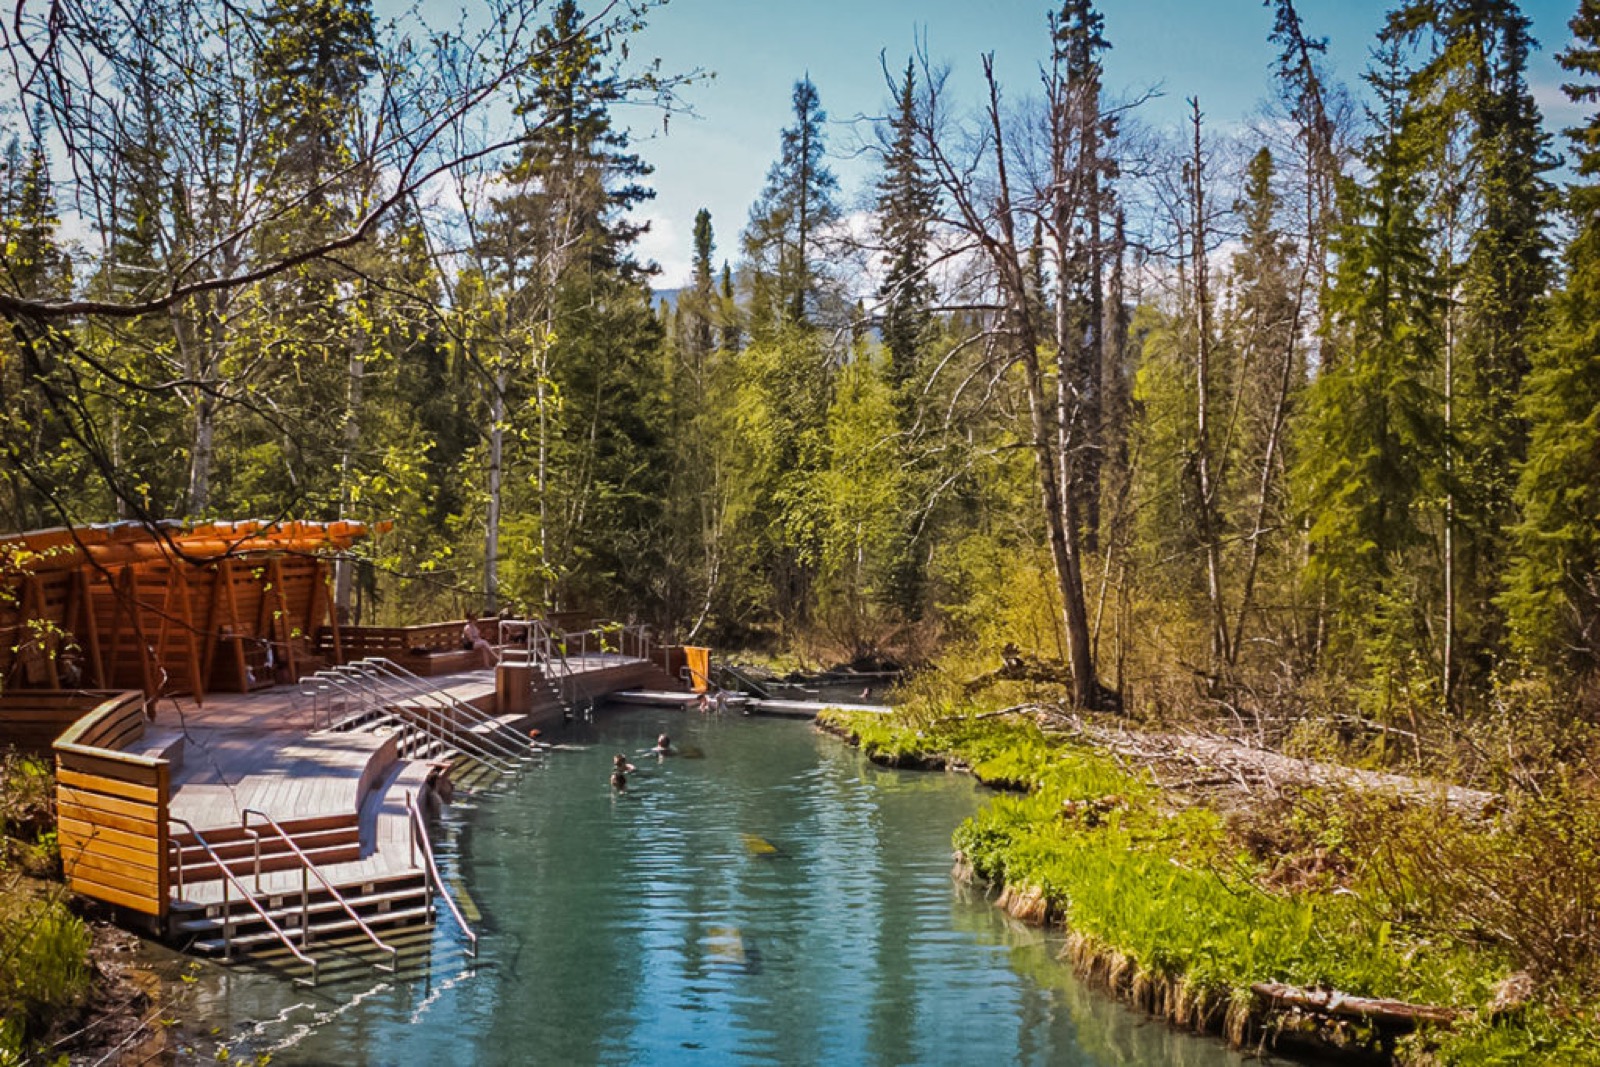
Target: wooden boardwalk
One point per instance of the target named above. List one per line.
(259, 751)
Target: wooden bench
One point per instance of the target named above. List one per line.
(429, 650)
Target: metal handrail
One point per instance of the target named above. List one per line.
(419, 829)
(385, 670)
(307, 865)
(227, 904)
(554, 653)
(372, 677)
(506, 740)
(744, 680)
(336, 680)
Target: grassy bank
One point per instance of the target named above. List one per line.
(1183, 904)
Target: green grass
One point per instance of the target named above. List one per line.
(1173, 891)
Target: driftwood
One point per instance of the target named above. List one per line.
(1395, 1016)
(1213, 757)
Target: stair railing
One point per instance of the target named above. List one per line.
(307, 868)
(501, 738)
(419, 837)
(228, 879)
(391, 694)
(742, 681)
(497, 741)
(551, 649)
(352, 691)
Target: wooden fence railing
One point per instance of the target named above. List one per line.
(358, 642)
(32, 719)
(112, 807)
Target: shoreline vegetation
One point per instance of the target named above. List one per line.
(62, 991)
(1299, 913)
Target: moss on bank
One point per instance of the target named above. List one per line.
(1169, 903)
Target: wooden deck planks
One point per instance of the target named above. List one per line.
(253, 750)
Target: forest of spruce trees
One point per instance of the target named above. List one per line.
(1301, 419)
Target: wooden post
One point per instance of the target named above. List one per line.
(333, 620)
(91, 627)
(213, 611)
(195, 681)
(314, 605)
(163, 829)
(234, 628)
(131, 583)
(118, 606)
(33, 607)
(275, 569)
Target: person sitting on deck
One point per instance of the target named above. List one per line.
(472, 639)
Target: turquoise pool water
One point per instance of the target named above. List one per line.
(767, 897)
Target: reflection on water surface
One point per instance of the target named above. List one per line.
(777, 900)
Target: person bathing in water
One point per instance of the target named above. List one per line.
(619, 781)
(663, 747)
(621, 765)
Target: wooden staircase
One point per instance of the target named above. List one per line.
(221, 929)
(325, 840)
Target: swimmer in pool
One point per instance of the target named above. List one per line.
(619, 781)
(621, 764)
(663, 747)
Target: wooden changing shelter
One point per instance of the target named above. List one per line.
(168, 609)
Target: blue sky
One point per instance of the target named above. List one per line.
(1216, 49)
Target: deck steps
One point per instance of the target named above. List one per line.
(380, 902)
(344, 962)
(324, 840)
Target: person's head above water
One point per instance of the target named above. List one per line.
(663, 742)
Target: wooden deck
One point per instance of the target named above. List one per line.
(259, 751)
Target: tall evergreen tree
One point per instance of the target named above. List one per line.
(1477, 121)
(782, 242)
(907, 199)
(1370, 440)
(570, 296)
(1552, 593)
(316, 58)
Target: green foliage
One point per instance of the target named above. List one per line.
(1552, 592)
(1170, 889)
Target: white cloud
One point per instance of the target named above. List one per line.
(665, 244)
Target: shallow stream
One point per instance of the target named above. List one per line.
(766, 896)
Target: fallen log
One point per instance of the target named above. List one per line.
(1212, 754)
(1396, 1016)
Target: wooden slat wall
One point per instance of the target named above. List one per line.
(30, 622)
(112, 808)
(31, 720)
